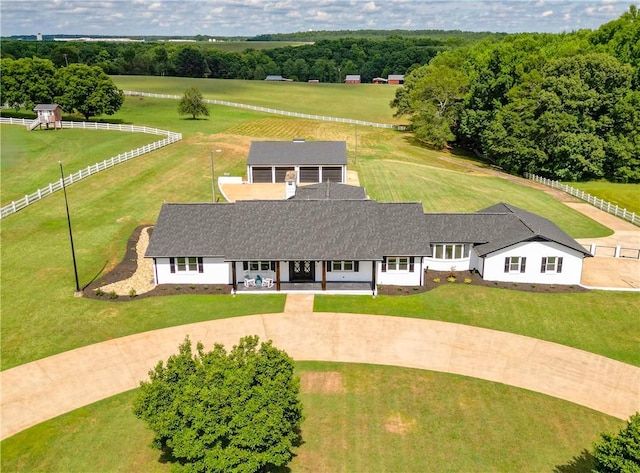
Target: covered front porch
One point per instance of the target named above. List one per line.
(310, 276)
(346, 288)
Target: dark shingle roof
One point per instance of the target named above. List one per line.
(289, 230)
(45, 106)
(338, 229)
(537, 228)
(329, 190)
(279, 153)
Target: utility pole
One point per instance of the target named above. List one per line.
(73, 251)
(356, 144)
(213, 182)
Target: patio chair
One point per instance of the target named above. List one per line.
(249, 282)
(267, 282)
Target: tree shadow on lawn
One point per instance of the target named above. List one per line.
(583, 463)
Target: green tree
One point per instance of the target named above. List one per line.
(432, 99)
(235, 412)
(27, 82)
(192, 104)
(189, 62)
(87, 90)
(619, 453)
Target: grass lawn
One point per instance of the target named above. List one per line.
(601, 322)
(626, 196)
(358, 418)
(30, 158)
(39, 315)
(368, 102)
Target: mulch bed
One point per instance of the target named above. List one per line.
(128, 266)
(475, 280)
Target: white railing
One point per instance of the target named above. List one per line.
(596, 202)
(29, 199)
(272, 111)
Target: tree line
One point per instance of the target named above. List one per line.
(563, 106)
(78, 88)
(328, 60)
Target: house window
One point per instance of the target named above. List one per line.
(259, 265)
(551, 264)
(397, 264)
(515, 264)
(183, 264)
(452, 251)
(343, 266)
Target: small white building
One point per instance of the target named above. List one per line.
(47, 114)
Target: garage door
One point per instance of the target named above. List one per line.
(310, 174)
(281, 172)
(333, 174)
(261, 174)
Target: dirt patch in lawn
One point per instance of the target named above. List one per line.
(321, 382)
(398, 424)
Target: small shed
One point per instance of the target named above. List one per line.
(47, 114)
(395, 79)
(379, 80)
(312, 161)
(352, 79)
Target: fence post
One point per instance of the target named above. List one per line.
(592, 249)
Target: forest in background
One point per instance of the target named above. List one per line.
(327, 57)
(563, 106)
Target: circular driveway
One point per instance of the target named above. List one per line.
(43, 389)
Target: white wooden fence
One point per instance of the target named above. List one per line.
(273, 111)
(29, 199)
(599, 203)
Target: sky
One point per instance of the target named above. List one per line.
(253, 17)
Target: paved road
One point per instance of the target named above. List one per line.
(41, 390)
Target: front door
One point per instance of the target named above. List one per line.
(302, 271)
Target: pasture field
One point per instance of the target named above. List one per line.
(241, 46)
(358, 418)
(30, 160)
(368, 102)
(624, 195)
(40, 316)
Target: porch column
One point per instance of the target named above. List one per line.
(373, 276)
(278, 276)
(234, 279)
(324, 275)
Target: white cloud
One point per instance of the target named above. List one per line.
(250, 17)
(371, 6)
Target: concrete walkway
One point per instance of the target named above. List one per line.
(603, 271)
(43, 389)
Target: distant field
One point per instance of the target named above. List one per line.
(358, 418)
(627, 196)
(368, 102)
(240, 46)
